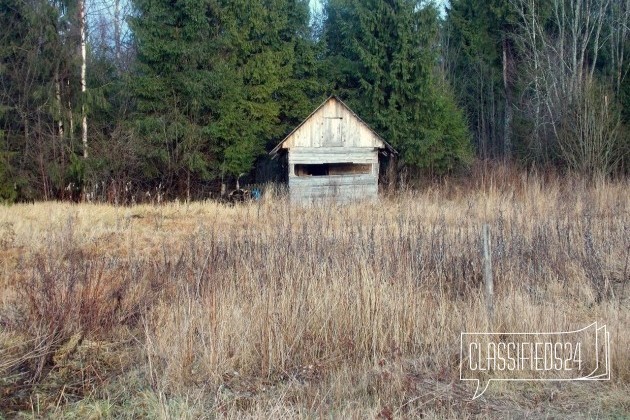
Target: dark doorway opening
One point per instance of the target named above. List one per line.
(327, 169)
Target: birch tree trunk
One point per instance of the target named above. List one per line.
(84, 124)
(507, 127)
(59, 113)
(117, 40)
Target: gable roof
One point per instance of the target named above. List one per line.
(388, 147)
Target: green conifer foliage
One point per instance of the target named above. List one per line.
(173, 85)
(219, 81)
(383, 56)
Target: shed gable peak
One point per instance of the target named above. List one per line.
(332, 125)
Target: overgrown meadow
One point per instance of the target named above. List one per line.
(268, 309)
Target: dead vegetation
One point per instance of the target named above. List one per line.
(268, 310)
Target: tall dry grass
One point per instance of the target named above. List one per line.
(269, 309)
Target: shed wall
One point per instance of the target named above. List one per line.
(342, 188)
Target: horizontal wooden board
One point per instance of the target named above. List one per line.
(337, 193)
(332, 180)
(341, 188)
(326, 155)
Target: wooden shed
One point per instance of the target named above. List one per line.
(333, 154)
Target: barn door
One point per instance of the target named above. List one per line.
(332, 132)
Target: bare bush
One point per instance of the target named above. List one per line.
(573, 111)
(589, 137)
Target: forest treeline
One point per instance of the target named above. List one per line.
(110, 99)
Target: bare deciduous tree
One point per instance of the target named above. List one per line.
(589, 138)
(619, 40)
(571, 113)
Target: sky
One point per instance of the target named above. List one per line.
(316, 6)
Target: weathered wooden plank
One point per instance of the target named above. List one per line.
(334, 150)
(313, 181)
(331, 159)
(338, 180)
(329, 192)
(334, 191)
(339, 194)
(314, 156)
(340, 159)
(334, 124)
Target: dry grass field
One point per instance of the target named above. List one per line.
(269, 310)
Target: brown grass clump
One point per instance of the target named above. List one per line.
(272, 310)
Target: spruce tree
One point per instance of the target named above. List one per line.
(32, 55)
(219, 81)
(265, 58)
(481, 55)
(174, 86)
(383, 58)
